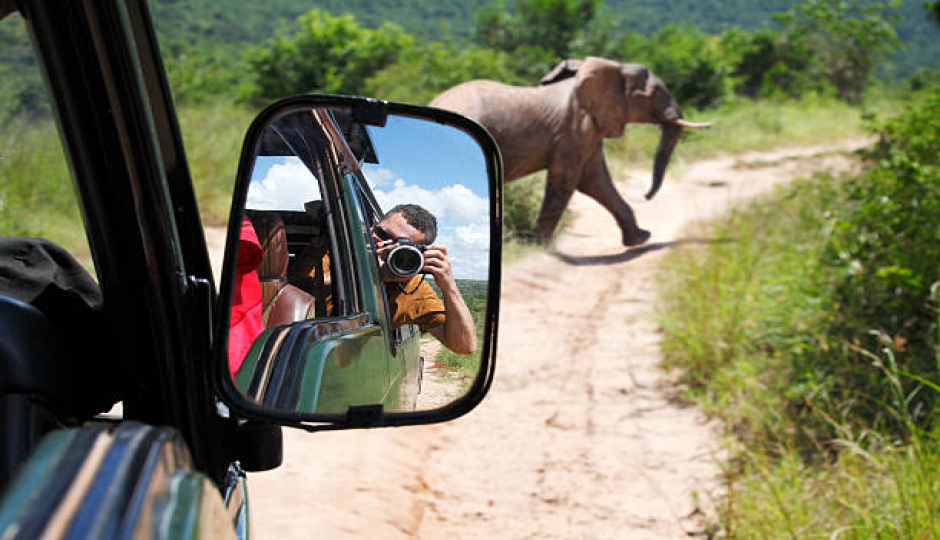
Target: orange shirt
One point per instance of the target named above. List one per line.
(422, 307)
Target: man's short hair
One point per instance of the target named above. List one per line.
(419, 218)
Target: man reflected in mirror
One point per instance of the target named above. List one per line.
(412, 300)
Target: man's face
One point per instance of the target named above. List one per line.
(393, 227)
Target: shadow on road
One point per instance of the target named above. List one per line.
(630, 254)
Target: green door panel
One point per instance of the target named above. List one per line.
(126, 480)
(321, 365)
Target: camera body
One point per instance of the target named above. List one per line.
(406, 258)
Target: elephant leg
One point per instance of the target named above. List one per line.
(558, 193)
(597, 184)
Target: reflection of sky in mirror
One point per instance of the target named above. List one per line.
(281, 183)
(442, 169)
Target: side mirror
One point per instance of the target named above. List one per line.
(313, 328)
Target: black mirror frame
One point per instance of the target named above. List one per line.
(366, 416)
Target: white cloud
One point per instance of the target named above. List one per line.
(468, 249)
(286, 186)
(455, 204)
(379, 176)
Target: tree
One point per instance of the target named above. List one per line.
(326, 54)
(934, 9)
(422, 72)
(840, 43)
(537, 33)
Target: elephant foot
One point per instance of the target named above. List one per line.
(639, 236)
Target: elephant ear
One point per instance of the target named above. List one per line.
(601, 91)
(564, 70)
(637, 79)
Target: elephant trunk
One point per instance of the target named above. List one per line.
(667, 143)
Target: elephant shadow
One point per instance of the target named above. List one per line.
(631, 253)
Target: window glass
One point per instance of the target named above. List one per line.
(286, 209)
(37, 194)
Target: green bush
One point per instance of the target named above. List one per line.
(694, 66)
(537, 34)
(885, 253)
(326, 54)
(424, 71)
(832, 43)
(811, 316)
(522, 200)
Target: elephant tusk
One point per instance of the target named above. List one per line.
(692, 125)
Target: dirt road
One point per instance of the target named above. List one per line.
(579, 437)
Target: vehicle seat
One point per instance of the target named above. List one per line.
(53, 370)
(311, 269)
(35, 392)
(281, 301)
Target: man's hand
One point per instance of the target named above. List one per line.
(437, 263)
(458, 333)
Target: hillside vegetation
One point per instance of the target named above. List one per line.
(205, 42)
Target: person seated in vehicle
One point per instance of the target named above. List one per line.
(412, 300)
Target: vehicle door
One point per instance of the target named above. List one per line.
(405, 361)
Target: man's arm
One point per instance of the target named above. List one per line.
(457, 333)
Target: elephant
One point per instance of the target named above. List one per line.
(561, 125)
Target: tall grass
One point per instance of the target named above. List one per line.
(890, 493)
(213, 135)
(37, 196)
(810, 326)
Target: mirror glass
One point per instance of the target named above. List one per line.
(359, 261)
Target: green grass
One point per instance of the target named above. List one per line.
(890, 493)
(746, 125)
(37, 197)
(832, 419)
(213, 136)
(466, 366)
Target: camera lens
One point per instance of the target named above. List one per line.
(405, 261)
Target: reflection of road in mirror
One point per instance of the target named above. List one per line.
(439, 386)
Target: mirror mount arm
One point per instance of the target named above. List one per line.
(371, 111)
(364, 416)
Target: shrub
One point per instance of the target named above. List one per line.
(326, 54)
(886, 253)
(422, 72)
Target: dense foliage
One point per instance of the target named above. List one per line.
(810, 325)
(885, 255)
(814, 313)
(325, 54)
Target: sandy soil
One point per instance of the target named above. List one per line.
(580, 436)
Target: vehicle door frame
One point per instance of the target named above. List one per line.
(114, 111)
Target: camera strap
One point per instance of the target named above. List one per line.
(402, 287)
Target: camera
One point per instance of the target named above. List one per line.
(406, 259)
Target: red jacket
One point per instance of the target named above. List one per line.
(246, 322)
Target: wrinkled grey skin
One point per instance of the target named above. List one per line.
(561, 126)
